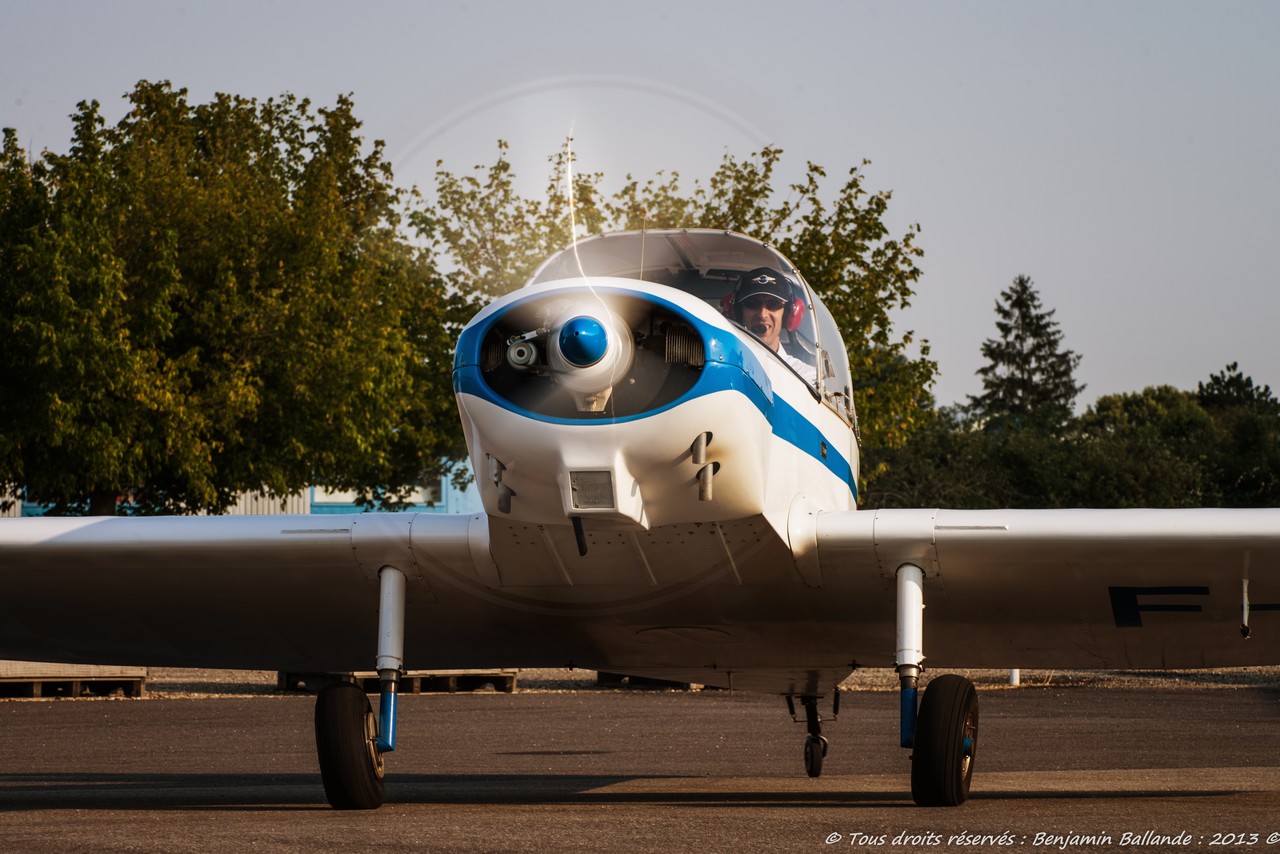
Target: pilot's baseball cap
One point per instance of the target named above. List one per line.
(763, 280)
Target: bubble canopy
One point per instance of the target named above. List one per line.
(707, 263)
(702, 262)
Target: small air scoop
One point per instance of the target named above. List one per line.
(583, 341)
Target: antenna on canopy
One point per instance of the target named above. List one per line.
(644, 234)
(573, 206)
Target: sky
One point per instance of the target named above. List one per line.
(1121, 154)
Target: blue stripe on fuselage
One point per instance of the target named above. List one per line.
(791, 426)
(730, 366)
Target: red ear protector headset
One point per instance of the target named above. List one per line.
(763, 280)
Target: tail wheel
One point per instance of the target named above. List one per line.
(946, 743)
(346, 736)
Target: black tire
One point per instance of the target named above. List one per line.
(815, 749)
(946, 743)
(346, 733)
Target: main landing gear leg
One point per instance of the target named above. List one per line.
(350, 740)
(944, 732)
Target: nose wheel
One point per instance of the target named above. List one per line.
(815, 749)
(815, 743)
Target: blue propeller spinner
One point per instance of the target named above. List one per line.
(583, 341)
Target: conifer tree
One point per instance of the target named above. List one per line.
(1029, 380)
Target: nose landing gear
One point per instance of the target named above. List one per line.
(815, 743)
(815, 748)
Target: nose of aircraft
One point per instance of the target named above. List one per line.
(583, 341)
(588, 353)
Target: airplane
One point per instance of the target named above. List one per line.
(663, 433)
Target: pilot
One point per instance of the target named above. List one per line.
(766, 302)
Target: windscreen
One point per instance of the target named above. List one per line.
(706, 264)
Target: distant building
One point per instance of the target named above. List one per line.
(441, 497)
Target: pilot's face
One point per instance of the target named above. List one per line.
(762, 314)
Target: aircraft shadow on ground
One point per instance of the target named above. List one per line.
(124, 791)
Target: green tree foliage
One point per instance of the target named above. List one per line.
(1028, 381)
(1245, 463)
(1143, 449)
(1018, 444)
(486, 237)
(942, 464)
(1007, 447)
(1216, 447)
(212, 298)
(952, 462)
(489, 239)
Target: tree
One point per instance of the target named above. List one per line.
(487, 236)
(211, 298)
(490, 239)
(207, 299)
(1028, 380)
(944, 463)
(1144, 449)
(1245, 459)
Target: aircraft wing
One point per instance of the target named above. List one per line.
(271, 592)
(1003, 588)
(1077, 588)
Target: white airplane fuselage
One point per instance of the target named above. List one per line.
(677, 480)
(771, 443)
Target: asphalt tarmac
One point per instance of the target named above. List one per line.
(1058, 769)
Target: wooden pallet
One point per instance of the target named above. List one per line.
(44, 679)
(411, 681)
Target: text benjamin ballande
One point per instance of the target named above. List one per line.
(1052, 841)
